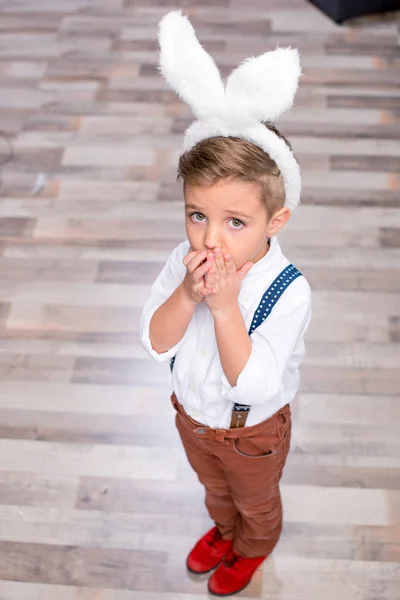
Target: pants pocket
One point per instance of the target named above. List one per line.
(257, 447)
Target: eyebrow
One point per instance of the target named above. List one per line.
(229, 212)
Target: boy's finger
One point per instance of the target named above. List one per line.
(195, 261)
(186, 259)
(210, 279)
(230, 267)
(190, 256)
(206, 292)
(211, 260)
(242, 272)
(199, 273)
(219, 261)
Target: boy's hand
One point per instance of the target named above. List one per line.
(224, 280)
(194, 281)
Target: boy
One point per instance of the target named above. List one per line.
(228, 309)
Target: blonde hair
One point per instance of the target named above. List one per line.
(217, 158)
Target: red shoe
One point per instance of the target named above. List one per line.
(208, 552)
(233, 574)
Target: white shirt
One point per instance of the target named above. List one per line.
(270, 378)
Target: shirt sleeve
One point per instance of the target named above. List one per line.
(166, 283)
(273, 344)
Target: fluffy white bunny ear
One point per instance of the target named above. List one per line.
(264, 87)
(187, 67)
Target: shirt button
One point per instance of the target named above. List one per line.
(192, 388)
(203, 352)
(246, 298)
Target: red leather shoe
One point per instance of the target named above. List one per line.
(233, 574)
(208, 552)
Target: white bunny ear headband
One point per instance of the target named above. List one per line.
(260, 89)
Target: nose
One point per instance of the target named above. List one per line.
(213, 238)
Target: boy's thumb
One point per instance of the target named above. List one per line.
(242, 272)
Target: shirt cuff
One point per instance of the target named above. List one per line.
(228, 392)
(253, 378)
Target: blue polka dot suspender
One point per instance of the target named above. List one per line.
(267, 303)
(272, 295)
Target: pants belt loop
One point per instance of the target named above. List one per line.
(219, 435)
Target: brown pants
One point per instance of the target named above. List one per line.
(240, 470)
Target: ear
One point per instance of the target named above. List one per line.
(278, 221)
(187, 67)
(263, 87)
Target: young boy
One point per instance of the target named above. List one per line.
(228, 309)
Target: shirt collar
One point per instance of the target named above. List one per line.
(266, 264)
(268, 261)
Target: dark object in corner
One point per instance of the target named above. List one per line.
(340, 10)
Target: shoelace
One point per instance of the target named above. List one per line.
(215, 539)
(231, 560)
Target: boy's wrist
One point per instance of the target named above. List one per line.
(226, 313)
(186, 297)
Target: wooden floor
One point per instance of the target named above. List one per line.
(96, 499)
